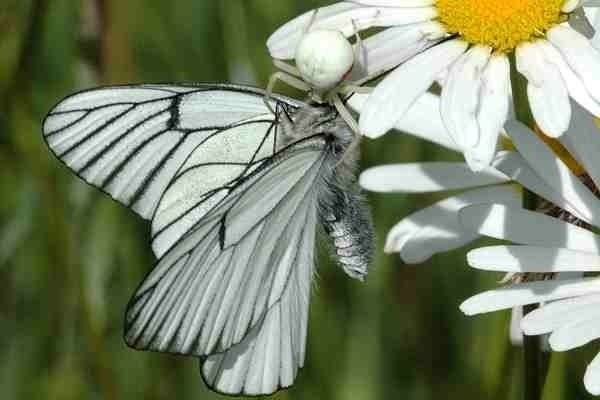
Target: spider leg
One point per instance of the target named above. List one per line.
(284, 77)
(360, 51)
(311, 21)
(348, 88)
(345, 114)
(287, 68)
(350, 154)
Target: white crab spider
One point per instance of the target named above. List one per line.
(324, 59)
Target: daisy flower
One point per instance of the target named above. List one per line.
(559, 241)
(465, 44)
(558, 62)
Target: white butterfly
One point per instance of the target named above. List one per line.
(234, 194)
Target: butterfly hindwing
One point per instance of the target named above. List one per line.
(269, 356)
(239, 301)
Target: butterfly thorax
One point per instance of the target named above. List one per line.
(342, 210)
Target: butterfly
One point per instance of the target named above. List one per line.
(235, 194)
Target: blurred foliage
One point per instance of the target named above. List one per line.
(70, 257)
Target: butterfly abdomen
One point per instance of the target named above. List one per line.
(347, 221)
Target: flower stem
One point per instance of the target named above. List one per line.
(534, 371)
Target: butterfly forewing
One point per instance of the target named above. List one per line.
(130, 141)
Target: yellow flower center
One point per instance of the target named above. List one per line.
(500, 24)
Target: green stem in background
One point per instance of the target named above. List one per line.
(535, 362)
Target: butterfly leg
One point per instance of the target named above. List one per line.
(287, 67)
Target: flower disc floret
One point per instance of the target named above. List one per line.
(500, 24)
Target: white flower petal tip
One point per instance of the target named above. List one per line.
(532, 259)
(474, 305)
(282, 43)
(591, 378)
(528, 293)
(460, 96)
(579, 53)
(546, 89)
(492, 112)
(426, 177)
(393, 97)
(561, 313)
(577, 88)
(436, 228)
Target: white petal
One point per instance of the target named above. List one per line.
(592, 376)
(426, 177)
(528, 293)
(583, 142)
(546, 89)
(422, 120)
(396, 3)
(591, 9)
(527, 227)
(345, 17)
(391, 47)
(532, 259)
(580, 20)
(436, 228)
(554, 172)
(595, 15)
(392, 97)
(513, 165)
(576, 334)
(579, 53)
(283, 42)
(570, 5)
(576, 88)
(553, 315)
(460, 96)
(492, 113)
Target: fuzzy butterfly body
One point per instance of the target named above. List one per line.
(235, 195)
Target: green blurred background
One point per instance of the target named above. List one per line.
(70, 257)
